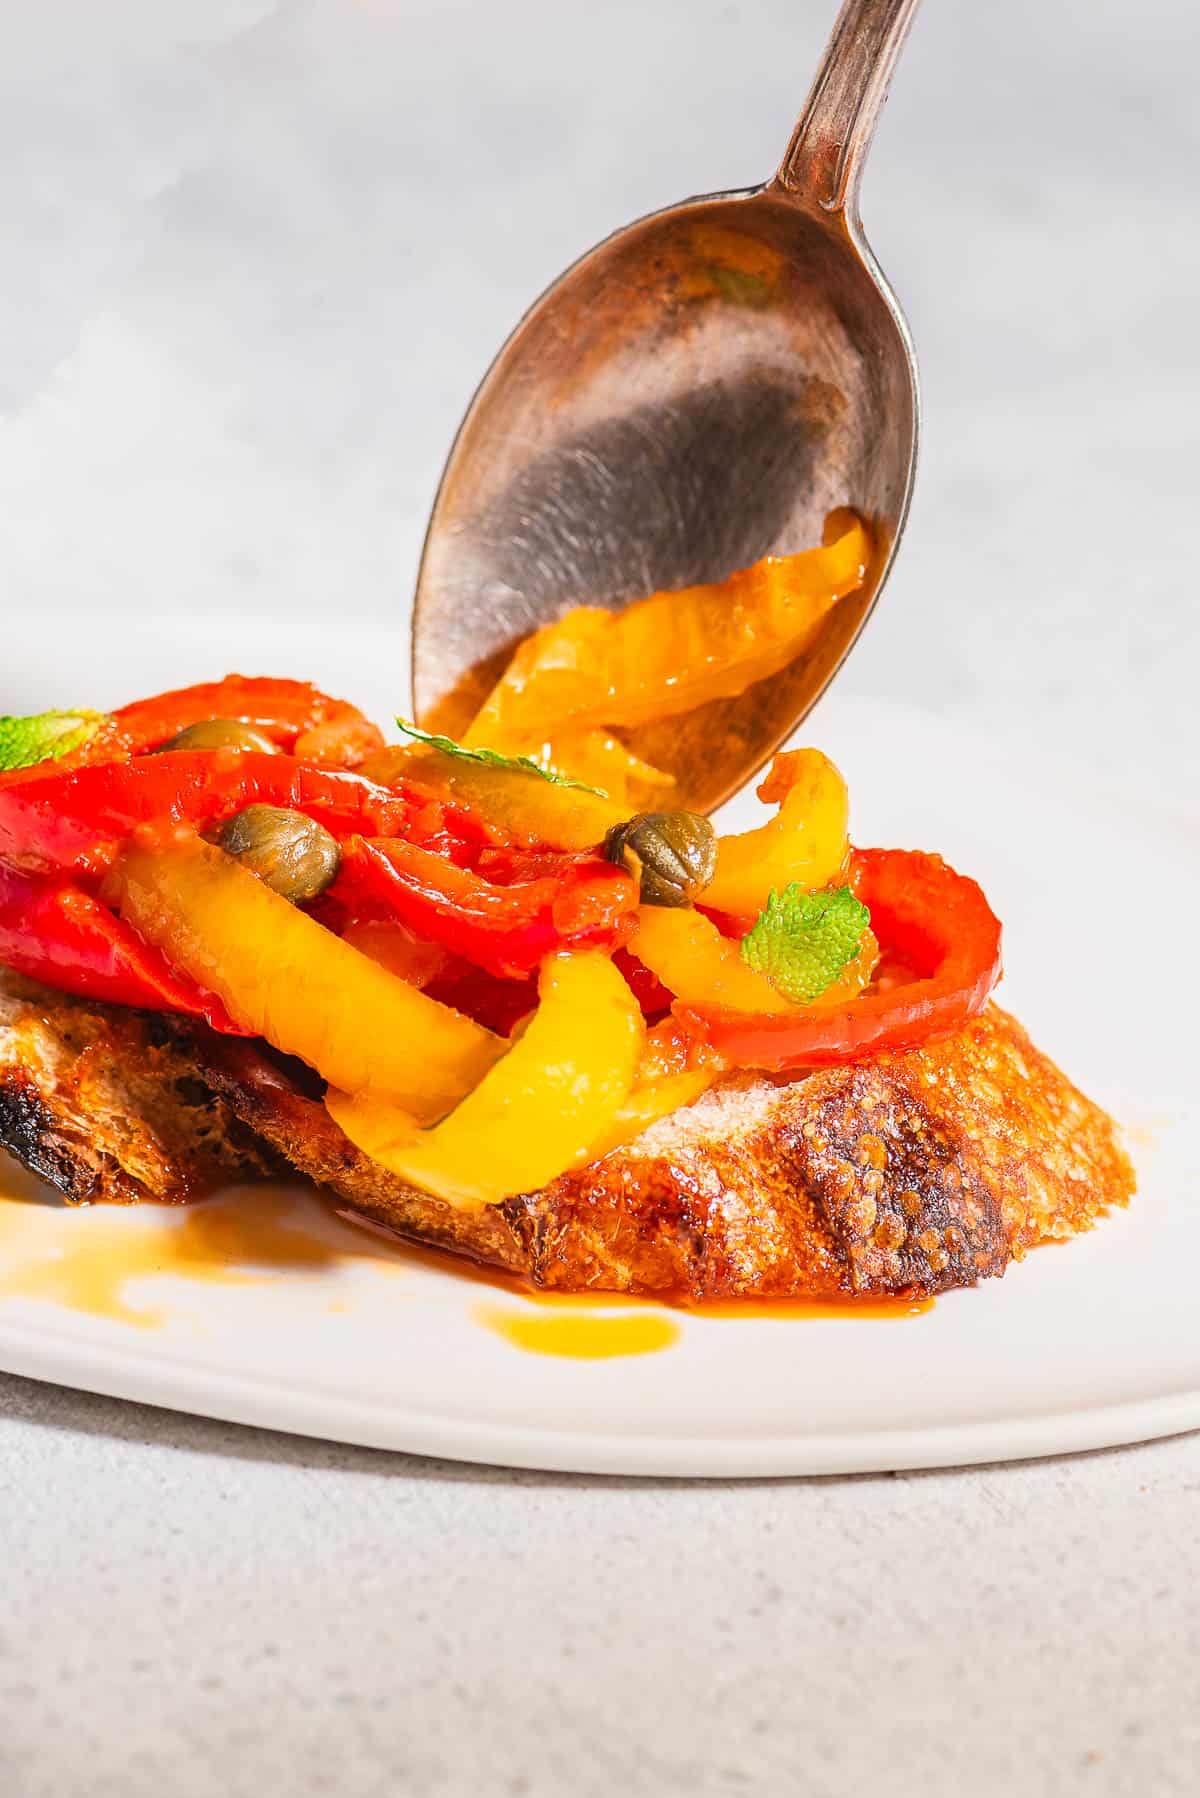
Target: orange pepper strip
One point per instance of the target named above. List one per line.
(687, 952)
(671, 652)
(806, 841)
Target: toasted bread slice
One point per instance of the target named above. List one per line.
(913, 1172)
(100, 1102)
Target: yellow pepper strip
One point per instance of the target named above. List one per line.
(702, 967)
(806, 841)
(699, 965)
(673, 651)
(533, 810)
(541, 1110)
(285, 977)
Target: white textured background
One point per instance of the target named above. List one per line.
(256, 257)
(252, 260)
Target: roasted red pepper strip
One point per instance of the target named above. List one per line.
(649, 991)
(70, 823)
(730, 924)
(297, 716)
(292, 713)
(935, 921)
(505, 930)
(63, 937)
(497, 1003)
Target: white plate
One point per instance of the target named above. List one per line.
(1089, 1344)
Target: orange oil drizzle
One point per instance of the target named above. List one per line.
(85, 1260)
(244, 1238)
(580, 1335)
(475, 1271)
(575, 1330)
(844, 1308)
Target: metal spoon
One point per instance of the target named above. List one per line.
(697, 391)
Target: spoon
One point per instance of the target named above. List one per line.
(697, 391)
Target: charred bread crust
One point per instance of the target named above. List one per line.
(103, 1104)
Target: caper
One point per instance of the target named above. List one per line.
(674, 854)
(293, 855)
(220, 733)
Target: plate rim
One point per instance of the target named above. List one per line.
(258, 1402)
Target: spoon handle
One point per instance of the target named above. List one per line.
(825, 158)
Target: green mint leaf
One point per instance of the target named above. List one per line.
(802, 941)
(491, 758)
(45, 736)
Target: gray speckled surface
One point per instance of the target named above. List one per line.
(239, 317)
(199, 1609)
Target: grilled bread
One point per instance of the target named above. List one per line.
(914, 1172)
(100, 1102)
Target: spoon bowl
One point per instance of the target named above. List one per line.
(696, 392)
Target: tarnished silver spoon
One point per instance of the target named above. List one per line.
(697, 391)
